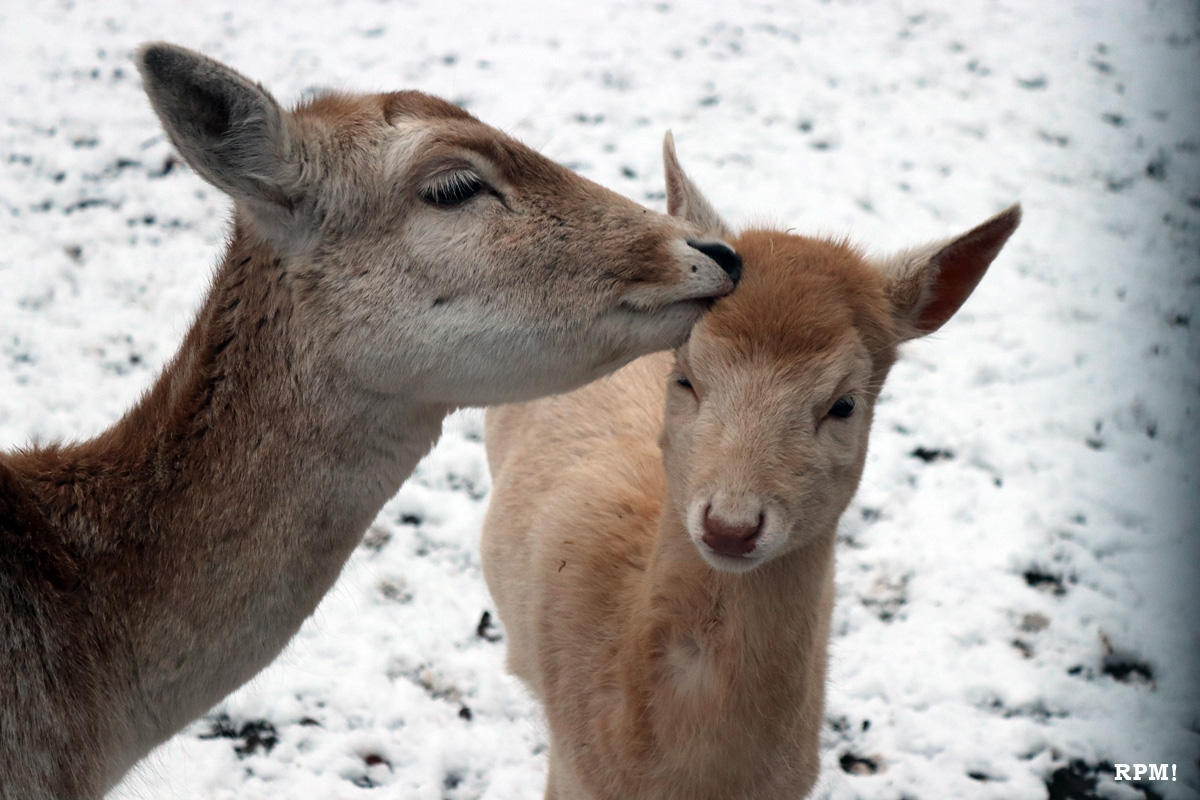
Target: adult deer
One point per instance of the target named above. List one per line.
(391, 258)
(671, 609)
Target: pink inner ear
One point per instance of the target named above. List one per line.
(961, 265)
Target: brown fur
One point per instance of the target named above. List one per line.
(150, 571)
(667, 671)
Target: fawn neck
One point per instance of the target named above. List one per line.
(242, 480)
(773, 608)
(733, 648)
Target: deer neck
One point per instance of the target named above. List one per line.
(773, 603)
(737, 646)
(243, 481)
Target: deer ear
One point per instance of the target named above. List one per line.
(684, 199)
(227, 128)
(927, 285)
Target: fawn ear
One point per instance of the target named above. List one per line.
(684, 199)
(227, 128)
(926, 285)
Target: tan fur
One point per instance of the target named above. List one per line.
(668, 670)
(150, 571)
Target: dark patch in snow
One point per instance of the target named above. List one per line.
(1124, 666)
(860, 765)
(1115, 184)
(486, 629)
(1156, 168)
(1036, 710)
(168, 166)
(1128, 671)
(1077, 781)
(89, 202)
(375, 538)
(1034, 622)
(255, 734)
(887, 596)
(462, 483)
(929, 455)
(1114, 119)
(395, 591)
(1057, 139)
(1045, 581)
(1036, 83)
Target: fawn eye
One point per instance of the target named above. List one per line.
(843, 408)
(684, 382)
(453, 189)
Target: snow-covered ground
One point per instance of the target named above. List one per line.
(1019, 579)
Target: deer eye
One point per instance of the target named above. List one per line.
(683, 382)
(453, 189)
(843, 408)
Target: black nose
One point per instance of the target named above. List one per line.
(723, 254)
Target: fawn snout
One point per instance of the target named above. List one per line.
(734, 531)
(732, 539)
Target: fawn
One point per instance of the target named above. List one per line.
(391, 258)
(671, 610)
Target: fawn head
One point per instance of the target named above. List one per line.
(431, 256)
(770, 404)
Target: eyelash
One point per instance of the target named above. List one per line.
(453, 190)
(843, 408)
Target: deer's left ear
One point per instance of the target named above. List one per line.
(927, 285)
(684, 200)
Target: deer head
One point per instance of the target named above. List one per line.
(431, 257)
(770, 405)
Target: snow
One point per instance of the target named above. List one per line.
(1013, 618)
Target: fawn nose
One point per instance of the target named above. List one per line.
(730, 539)
(725, 256)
